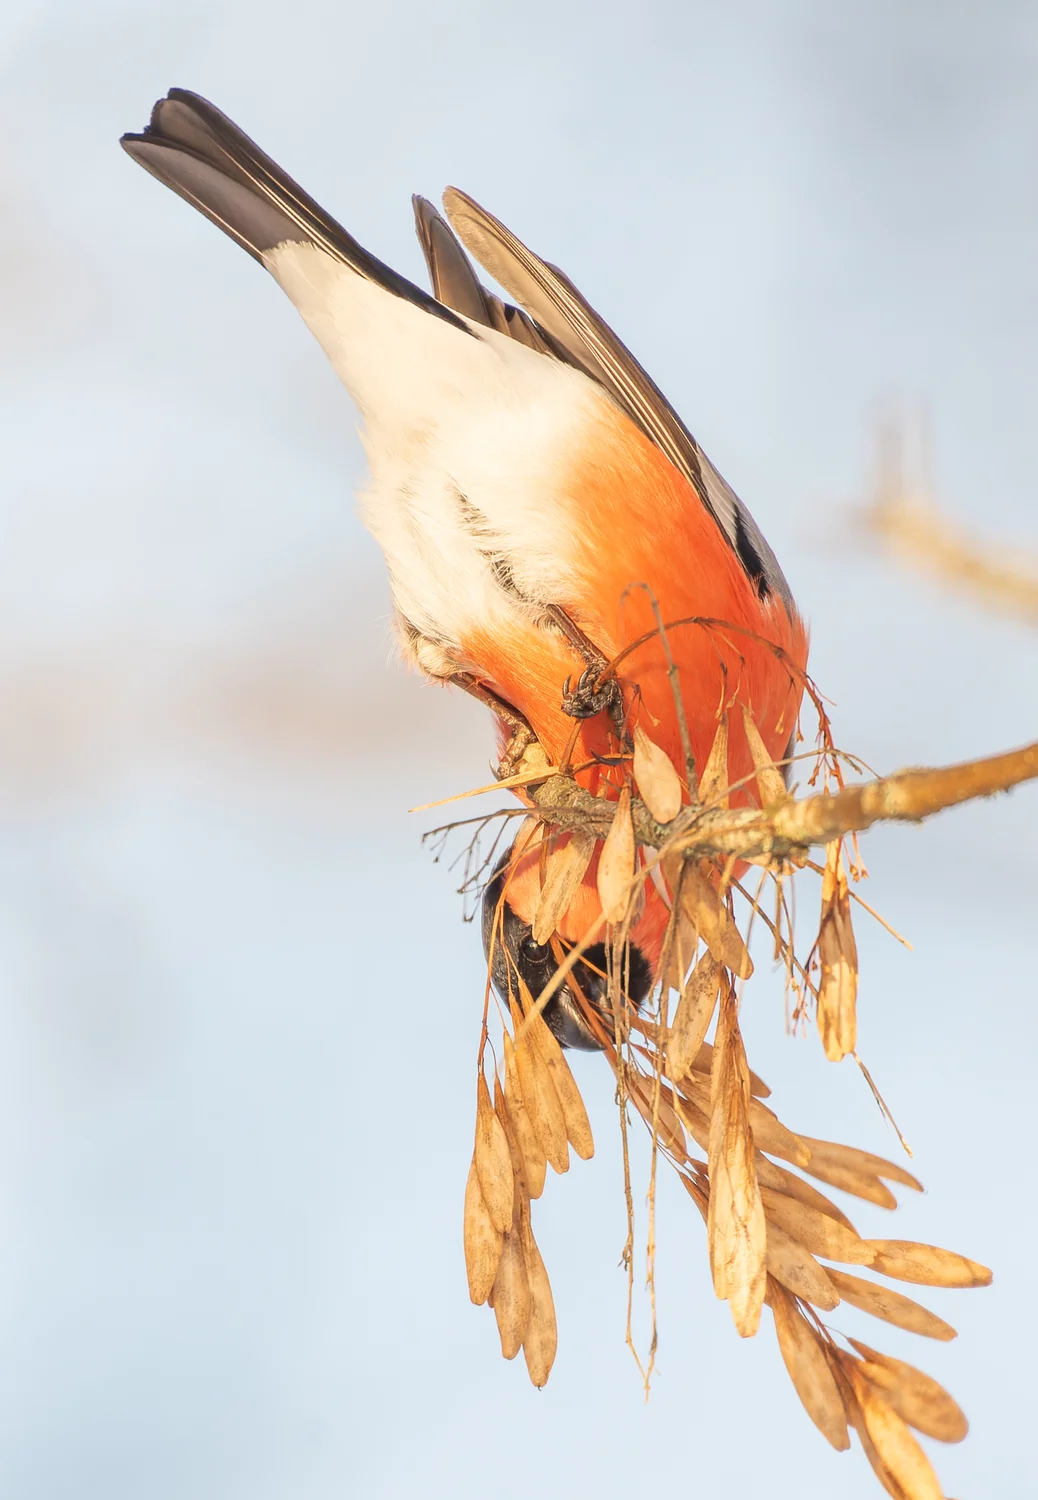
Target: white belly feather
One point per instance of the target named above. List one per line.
(471, 441)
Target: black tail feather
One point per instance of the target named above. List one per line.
(203, 156)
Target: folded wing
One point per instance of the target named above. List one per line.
(576, 331)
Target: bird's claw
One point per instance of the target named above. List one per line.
(587, 700)
(522, 737)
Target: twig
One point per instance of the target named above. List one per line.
(789, 830)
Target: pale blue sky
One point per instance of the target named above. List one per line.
(239, 1007)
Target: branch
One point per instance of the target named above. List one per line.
(788, 829)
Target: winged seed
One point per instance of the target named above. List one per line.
(917, 1398)
(896, 1448)
(798, 1271)
(860, 1185)
(862, 1161)
(773, 1176)
(658, 781)
(702, 1062)
(520, 1190)
(534, 1159)
(493, 1160)
(714, 782)
(769, 1133)
(683, 944)
(838, 962)
(566, 869)
(770, 782)
(714, 923)
(816, 1231)
(539, 1097)
(482, 1241)
(694, 1013)
(669, 1130)
(577, 1125)
(808, 1368)
(926, 1265)
(511, 1294)
(541, 1339)
(736, 1228)
(616, 861)
(892, 1307)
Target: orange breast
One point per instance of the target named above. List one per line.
(636, 520)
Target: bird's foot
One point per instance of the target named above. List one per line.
(586, 699)
(519, 741)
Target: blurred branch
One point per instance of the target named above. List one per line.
(904, 515)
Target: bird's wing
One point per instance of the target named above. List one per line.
(455, 283)
(567, 321)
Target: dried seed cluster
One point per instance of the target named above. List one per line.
(536, 1114)
(773, 1238)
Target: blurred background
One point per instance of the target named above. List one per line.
(238, 1003)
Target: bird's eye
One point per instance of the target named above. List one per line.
(509, 945)
(536, 952)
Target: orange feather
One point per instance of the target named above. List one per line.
(637, 520)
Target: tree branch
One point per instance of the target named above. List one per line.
(788, 829)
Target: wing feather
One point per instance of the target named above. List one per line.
(455, 283)
(568, 321)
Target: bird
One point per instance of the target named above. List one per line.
(542, 509)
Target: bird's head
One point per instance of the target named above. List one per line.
(509, 903)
